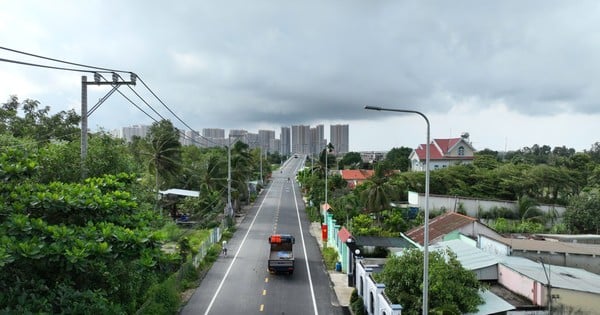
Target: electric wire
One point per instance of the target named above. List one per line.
(104, 70)
(61, 61)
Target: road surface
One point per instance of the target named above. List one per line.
(240, 282)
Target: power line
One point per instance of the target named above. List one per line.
(61, 61)
(103, 70)
(46, 66)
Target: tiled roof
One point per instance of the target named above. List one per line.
(438, 150)
(439, 226)
(356, 174)
(344, 234)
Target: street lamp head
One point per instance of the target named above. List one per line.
(373, 107)
(357, 252)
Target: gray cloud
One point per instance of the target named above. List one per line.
(265, 62)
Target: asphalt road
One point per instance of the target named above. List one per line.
(240, 282)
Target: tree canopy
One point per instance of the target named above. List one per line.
(451, 286)
(74, 248)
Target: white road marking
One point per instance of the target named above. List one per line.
(212, 301)
(312, 290)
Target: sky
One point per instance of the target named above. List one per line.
(512, 74)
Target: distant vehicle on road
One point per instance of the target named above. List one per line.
(295, 156)
(281, 256)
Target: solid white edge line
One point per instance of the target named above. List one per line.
(312, 290)
(212, 301)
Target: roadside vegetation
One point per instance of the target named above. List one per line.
(530, 176)
(91, 236)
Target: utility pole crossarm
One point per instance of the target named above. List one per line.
(116, 82)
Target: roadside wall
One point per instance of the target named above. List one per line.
(473, 207)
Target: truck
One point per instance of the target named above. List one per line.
(281, 255)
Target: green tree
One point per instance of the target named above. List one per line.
(450, 284)
(75, 247)
(583, 213)
(377, 195)
(25, 119)
(528, 209)
(397, 158)
(351, 159)
(164, 153)
(241, 172)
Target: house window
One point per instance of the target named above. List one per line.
(436, 166)
(461, 151)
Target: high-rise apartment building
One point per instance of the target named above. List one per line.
(213, 133)
(264, 138)
(301, 139)
(285, 137)
(136, 130)
(276, 144)
(317, 139)
(189, 137)
(339, 138)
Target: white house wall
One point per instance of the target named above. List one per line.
(367, 288)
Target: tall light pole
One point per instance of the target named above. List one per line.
(261, 160)
(426, 224)
(326, 158)
(229, 207)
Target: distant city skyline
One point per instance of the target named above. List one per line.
(293, 139)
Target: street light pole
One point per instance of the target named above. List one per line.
(229, 208)
(326, 158)
(426, 224)
(261, 161)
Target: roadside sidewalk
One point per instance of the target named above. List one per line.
(338, 279)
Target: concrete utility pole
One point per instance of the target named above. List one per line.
(84, 108)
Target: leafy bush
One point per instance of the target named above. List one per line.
(313, 214)
(330, 256)
(358, 306)
(163, 299)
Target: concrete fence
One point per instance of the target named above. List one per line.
(214, 237)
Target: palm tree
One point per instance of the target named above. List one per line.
(164, 151)
(213, 176)
(377, 196)
(528, 209)
(241, 172)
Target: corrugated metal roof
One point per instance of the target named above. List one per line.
(388, 242)
(549, 246)
(472, 258)
(180, 192)
(560, 277)
(493, 304)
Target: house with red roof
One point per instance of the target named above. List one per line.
(450, 222)
(443, 153)
(355, 177)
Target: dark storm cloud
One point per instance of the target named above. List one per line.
(224, 63)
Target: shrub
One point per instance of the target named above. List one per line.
(358, 306)
(163, 298)
(330, 256)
